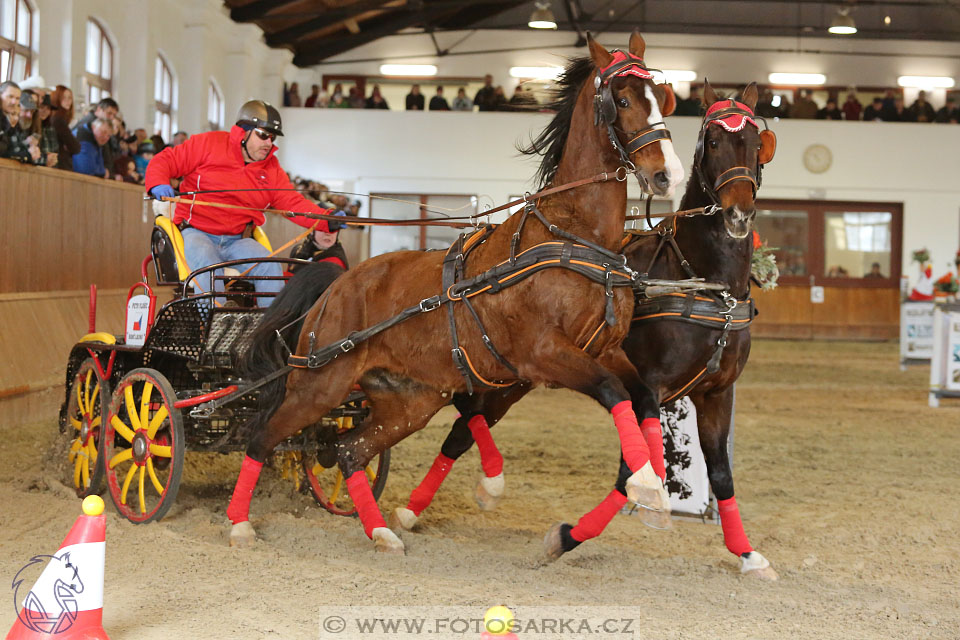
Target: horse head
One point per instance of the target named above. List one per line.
(632, 107)
(731, 152)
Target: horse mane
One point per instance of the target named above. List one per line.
(553, 138)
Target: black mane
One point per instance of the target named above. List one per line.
(552, 139)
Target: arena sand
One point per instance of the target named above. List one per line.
(847, 482)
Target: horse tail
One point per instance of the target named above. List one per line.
(267, 351)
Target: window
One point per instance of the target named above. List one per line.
(841, 242)
(99, 67)
(214, 107)
(16, 40)
(165, 97)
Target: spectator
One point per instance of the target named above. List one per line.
(830, 112)
(376, 101)
(49, 141)
(765, 108)
(852, 107)
(523, 99)
(158, 143)
(311, 100)
(948, 113)
(805, 107)
(888, 98)
(62, 103)
(294, 95)
(337, 96)
(874, 110)
(485, 100)
(875, 271)
(145, 153)
(93, 138)
(339, 101)
(462, 102)
(438, 102)
(141, 135)
(9, 109)
(898, 113)
(692, 105)
(499, 98)
(356, 98)
(415, 99)
(29, 124)
(179, 138)
(106, 109)
(323, 100)
(921, 110)
(125, 170)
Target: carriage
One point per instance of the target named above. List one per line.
(133, 402)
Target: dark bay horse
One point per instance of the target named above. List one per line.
(539, 325)
(674, 357)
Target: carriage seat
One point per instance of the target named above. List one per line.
(166, 244)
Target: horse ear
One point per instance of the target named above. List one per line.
(637, 45)
(768, 146)
(750, 95)
(600, 56)
(669, 100)
(709, 95)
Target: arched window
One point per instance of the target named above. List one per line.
(214, 107)
(99, 67)
(165, 99)
(16, 40)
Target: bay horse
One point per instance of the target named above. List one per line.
(675, 355)
(611, 124)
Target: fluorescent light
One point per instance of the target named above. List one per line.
(408, 69)
(926, 82)
(677, 75)
(537, 73)
(797, 78)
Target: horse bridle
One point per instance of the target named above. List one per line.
(605, 110)
(733, 173)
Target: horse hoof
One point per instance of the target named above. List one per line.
(755, 565)
(242, 535)
(402, 519)
(489, 491)
(553, 543)
(386, 541)
(659, 520)
(645, 489)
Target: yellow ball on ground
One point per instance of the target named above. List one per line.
(497, 620)
(92, 505)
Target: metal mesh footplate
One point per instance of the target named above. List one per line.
(179, 329)
(229, 337)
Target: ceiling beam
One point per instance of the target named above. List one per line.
(328, 18)
(256, 10)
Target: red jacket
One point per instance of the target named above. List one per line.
(214, 161)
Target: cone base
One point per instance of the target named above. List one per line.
(87, 626)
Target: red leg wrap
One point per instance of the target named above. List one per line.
(653, 436)
(422, 496)
(634, 448)
(490, 456)
(367, 508)
(239, 509)
(593, 523)
(733, 533)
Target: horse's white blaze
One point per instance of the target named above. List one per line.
(671, 160)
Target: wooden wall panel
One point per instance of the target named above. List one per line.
(847, 313)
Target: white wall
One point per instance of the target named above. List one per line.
(196, 36)
(474, 154)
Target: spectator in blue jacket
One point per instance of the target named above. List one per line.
(92, 137)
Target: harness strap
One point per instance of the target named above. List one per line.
(736, 173)
(649, 136)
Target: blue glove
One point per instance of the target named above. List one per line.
(336, 225)
(163, 191)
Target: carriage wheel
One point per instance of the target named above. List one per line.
(328, 486)
(143, 446)
(86, 406)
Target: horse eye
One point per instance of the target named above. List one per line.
(713, 144)
(624, 103)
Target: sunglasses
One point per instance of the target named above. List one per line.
(265, 135)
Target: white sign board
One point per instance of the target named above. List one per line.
(687, 480)
(138, 316)
(953, 352)
(817, 295)
(916, 330)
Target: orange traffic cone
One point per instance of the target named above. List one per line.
(66, 602)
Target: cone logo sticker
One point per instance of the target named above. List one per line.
(51, 606)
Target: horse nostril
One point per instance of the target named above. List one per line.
(661, 179)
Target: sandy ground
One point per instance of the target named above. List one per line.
(846, 482)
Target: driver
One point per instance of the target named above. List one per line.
(238, 168)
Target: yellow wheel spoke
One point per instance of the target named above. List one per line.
(153, 477)
(77, 471)
(157, 420)
(126, 483)
(317, 469)
(145, 404)
(95, 422)
(80, 398)
(336, 487)
(93, 398)
(371, 473)
(74, 447)
(85, 470)
(123, 456)
(76, 423)
(131, 409)
(86, 390)
(92, 451)
(161, 451)
(143, 502)
(125, 432)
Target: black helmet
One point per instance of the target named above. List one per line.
(260, 114)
